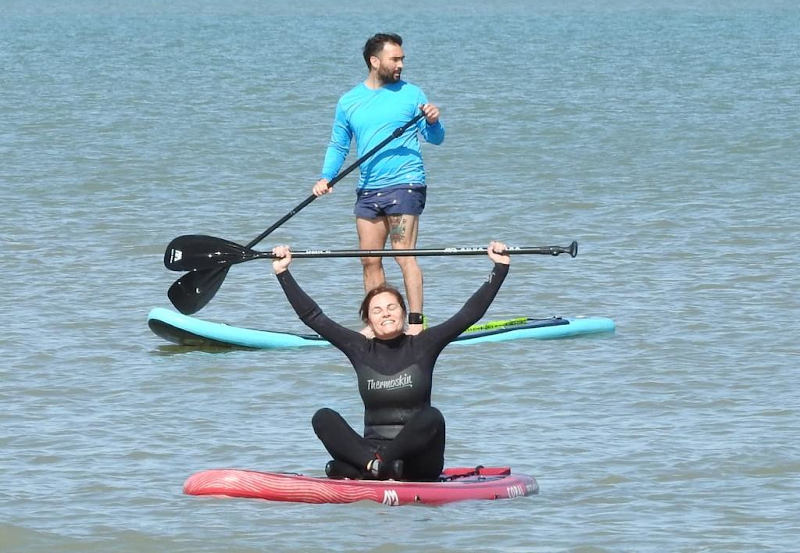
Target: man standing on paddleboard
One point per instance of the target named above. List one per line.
(391, 191)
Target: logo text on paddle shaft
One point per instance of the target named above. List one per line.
(402, 381)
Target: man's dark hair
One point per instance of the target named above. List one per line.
(375, 44)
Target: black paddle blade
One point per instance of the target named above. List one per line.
(190, 293)
(198, 252)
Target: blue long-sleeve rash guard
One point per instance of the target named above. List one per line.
(370, 116)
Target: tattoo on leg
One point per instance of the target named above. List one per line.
(397, 226)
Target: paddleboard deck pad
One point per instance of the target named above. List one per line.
(455, 484)
(190, 331)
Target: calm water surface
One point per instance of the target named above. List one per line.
(663, 138)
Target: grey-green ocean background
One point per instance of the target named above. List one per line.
(662, 136)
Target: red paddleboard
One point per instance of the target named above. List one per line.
(456, 484)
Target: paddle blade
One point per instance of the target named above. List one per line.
(198, 252)
(190, 293)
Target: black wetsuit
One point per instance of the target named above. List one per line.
(394, 380)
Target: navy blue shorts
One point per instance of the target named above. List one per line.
(403, 199)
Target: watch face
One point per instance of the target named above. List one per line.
(415, 318)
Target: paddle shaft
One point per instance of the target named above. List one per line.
(545, 250)
(200, 253)
(342, 174)
(194, 290)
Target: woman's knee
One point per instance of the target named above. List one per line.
(428, 421)
(323, 418)
(432, 415)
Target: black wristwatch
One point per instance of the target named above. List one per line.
(415, 318)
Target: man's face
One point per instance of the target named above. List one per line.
(389, 63)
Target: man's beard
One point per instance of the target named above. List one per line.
(388, 77)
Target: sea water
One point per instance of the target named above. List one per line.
(663, 137)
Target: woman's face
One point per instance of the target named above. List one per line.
(386, 317)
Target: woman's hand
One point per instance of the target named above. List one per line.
(493, 251)
(283, 258)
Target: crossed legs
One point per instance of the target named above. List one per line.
(420, 444)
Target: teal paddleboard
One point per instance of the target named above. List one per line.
(191, 331)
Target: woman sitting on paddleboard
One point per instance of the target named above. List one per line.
(404, 435)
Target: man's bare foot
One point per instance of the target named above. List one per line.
(415, 329)
(367, 331)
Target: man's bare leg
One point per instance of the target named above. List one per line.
(403, 235)
(372, 234)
